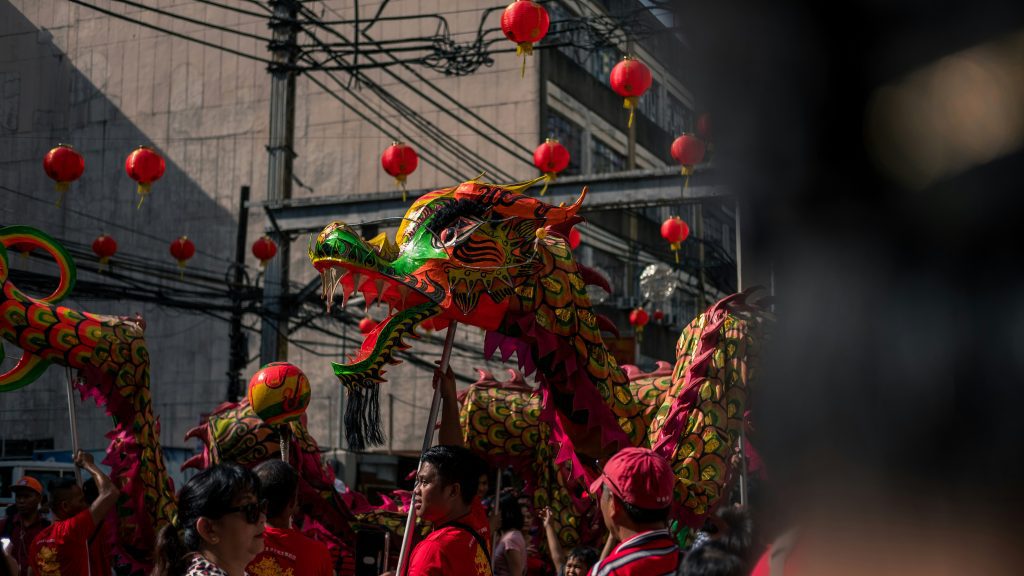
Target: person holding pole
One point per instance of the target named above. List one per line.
(449, 433)
(64, 546)
(286, 550)
(446, 484)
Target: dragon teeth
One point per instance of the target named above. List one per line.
(327, 279)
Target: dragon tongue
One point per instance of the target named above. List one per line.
(379, 345)
(361, 376)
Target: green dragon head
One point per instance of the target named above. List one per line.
(472, 254)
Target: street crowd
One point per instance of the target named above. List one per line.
(233, 521)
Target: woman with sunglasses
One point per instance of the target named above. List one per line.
(219, 528)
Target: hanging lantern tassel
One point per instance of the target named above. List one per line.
(61, 188)
(630, 103)
(687, 171)
(549, 177)
(675, 246)
(143, 191)
(400, 182)
(524, 49)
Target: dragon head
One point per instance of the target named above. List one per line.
(459, 254)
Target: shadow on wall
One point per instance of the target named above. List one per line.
(46, 99)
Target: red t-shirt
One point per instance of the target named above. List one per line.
(452, 551)
(647, 554)
(479, 519)
(289, 552)
(99, 549)
(62, 548)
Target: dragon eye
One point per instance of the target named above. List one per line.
(456, 233)
(449, 236)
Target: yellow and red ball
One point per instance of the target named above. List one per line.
(279, 393)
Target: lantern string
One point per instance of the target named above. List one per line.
(548, 178)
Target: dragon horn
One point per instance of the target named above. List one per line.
(563, 214)
(201, 433)
(197, 462)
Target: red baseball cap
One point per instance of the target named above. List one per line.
(638, 476)
(30, 483)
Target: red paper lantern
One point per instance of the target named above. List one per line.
(64, 165)
(525, 23)
(399, 161)
(183, 250)
(704, 126)
(630, 79)
(658, 316)
(675, 231)
(144, 166)
(264, 249)
(638, 318)
(366, 325)
(104, 247)
(550, 158)
(688, 151)
(574, 239)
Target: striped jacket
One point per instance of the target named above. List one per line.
(651, 553)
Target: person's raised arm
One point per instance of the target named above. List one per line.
(450, 433)
(108, 493)
(554, 546)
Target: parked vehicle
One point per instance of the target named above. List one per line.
(12, 470)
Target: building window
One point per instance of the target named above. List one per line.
(570, 135)
(680, 118)
(658, 105)
(606, 159)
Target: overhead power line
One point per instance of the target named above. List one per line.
(194, 21)
(170, 32)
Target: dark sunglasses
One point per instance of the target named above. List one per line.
(252, 511)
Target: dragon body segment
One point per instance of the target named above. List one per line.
(111, 360)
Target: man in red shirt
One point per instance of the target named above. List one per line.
(63, 548)
(636, 493)
(446, 484)
(286, 550)
(450, 434)
(26, 523)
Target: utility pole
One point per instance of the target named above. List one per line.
(239, 344)
(284, 49)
